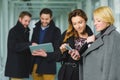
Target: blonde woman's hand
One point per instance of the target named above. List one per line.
(91, 39)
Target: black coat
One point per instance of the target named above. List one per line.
(19, 56)
(70, 68)
(47, 65)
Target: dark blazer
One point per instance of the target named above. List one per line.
(101, 61)
(47, 65)
(68, 72)
(19, 56)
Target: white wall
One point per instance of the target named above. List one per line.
(3, 36)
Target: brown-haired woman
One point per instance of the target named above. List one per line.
(77, 35)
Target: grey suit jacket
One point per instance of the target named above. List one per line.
(101, 61)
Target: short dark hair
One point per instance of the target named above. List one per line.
(25, 13)
(46, 11)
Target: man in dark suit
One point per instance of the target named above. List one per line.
(45, 32)
(19, 56)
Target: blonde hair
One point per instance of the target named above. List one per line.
(105, 13)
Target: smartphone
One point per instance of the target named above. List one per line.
(68, 47)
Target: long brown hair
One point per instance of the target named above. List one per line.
(71, 31)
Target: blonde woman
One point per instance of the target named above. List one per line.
(101, 61)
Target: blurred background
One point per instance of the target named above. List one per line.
(10, 9)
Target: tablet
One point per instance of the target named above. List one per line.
(48, 47)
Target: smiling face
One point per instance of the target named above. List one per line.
(25, 20)
(79, 24)
(45, 19)
(103, 18)
(100, 24)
